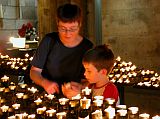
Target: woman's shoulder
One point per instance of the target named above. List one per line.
(87, 42)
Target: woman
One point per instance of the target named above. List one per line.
(58, 58)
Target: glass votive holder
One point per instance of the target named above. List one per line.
(61, 115)
(97, 114)
(5, 81)
(118, 107)
(133, 113)
(16, 106)
(20, 95)
(4, 108)
(11, 117)
(109, 112)
(144, 116)
(38, 101)
(121, 114)
(156, 117)
(32, 116)
(51, 113)
(40, 112)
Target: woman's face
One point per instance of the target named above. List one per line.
(68, 31)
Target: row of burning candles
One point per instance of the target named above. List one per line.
(110, 111)
(127, 73)
(15, 63)
(122, 72)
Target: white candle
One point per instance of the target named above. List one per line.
(133, 110)
(19, 95)
(87, 91)
(110, 100)
(144, 116)
(63, 101)
(118, 58)
(41, 110)
(121, 106)
(51, 112)
(38, 101)
(50, 96)
(4, 108)
(122, 112)
(16, 106)
(111, 112)
(60, 115)
(156, 117)
(32, 116)
(5, 78)
(97, 114)
(98, 97)
(33, 90)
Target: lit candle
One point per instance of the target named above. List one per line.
(147, 84)
(98, 97)
(19, 95)
(85, 103)
(23, 85)
(120, 80)
(86, 91)
(98, 102)
(121, 107)
(110, 101)
(140, 84)
(97, 114)
(156, 85)
(122, 112)
(12, 87)
(63, 101)
(133, 110)
(133, 67)
(113, 80)
(77, 97)
(32, 116)
(110, 112)
(33, 90)
(156, 117)
(50, 96)
(51, 113)
(144, 116)
(127, 81)
(61, 115)
(4, 108)
(16, 106)
(38, 101)
(41, 110)
(5, 78)
(118, 58)
(11, 117)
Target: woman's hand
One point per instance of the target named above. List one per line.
(71, 89)
(50, 87)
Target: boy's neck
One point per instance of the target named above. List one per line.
(102, 82)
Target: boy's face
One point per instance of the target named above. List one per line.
(91, 73)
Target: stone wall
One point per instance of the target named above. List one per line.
(132, 28)
(15, 14)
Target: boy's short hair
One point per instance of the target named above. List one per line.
(69, 13)
(101, 57)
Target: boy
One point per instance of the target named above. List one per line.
(98, 62)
